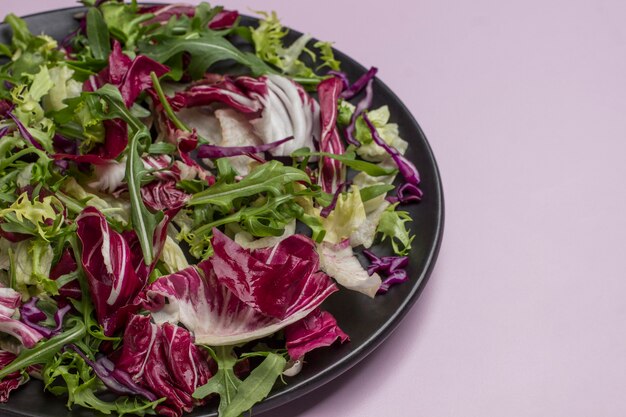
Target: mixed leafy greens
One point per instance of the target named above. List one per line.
(179, 194)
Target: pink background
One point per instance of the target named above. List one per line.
(524, 104)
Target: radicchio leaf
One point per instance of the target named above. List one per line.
(107, 262)
(163, 195)
(131, 77)
(287, 111)
(269, 289)
(332, 172)
(164, 360)
(224, 19)
(235, 93)
(66, 265)
(10, 300)
(11, 381)
(274, 281)
(318, 329)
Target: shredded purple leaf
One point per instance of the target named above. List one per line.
(213, 151)
(359, 84)
(326, 210)
(360, 109)
(396, 277)
(342, 76)
(390, 267)
(406, 193)
(118, 381)
(31, 315)
(24, 132)
(406, 167)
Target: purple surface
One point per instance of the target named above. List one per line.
(524, 105)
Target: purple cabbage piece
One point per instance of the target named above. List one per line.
(3, 132)
(342, 76)
(116, 380)
(31, 315)
(406, 167)
(396, 277)
(213, 151)
(406, 193)
(316, 330)
(24, 131)
(391, 267)
(386, 264)
(360, 109)
(359, 84)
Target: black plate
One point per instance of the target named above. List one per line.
(367, 321)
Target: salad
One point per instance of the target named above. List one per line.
(179, 194)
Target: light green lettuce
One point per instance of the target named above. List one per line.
(64, 86)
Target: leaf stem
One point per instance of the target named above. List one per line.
(166, 104)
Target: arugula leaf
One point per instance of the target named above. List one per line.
(144, 222)
(348, 159)
(256, 386)
(205, 50)
(98, 34)
(392, 226)
(238, 396)
(224, 383)
(44, 351)
(268, 177)
(124, 23)
(373, 191)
